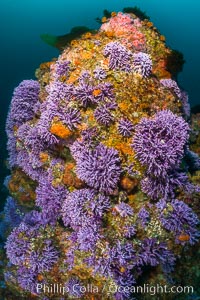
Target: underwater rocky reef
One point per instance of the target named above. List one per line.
(105, 175)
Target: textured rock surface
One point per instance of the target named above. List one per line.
(104, 189)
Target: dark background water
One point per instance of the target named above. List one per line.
(22, 50)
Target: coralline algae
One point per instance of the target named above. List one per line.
(98, 151)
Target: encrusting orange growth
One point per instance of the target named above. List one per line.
(86, 55)
(60, 130)
(44, 157)
(122, 269)
(162, 38)
(150, 24)
(109, 34)
(123, 106)
(22, 190)
(73, 77)
(82, 126)
(40, 277)
(46, 65)
(15, 128)
(113, 14)
(96, 92)
(184, 237)
(128, 183)
(161, 73)
(12, 186)
(69, 177)
(104, 19)
(160, 70)
(134, 98)
(87, 35)
(74, 43)
(124, 148)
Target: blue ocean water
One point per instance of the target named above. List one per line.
(22, 50)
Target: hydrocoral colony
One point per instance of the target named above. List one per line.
(102, 120)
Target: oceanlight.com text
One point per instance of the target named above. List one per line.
(152, 290)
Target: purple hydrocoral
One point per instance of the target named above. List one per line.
(34, 219)
(107, 93)
(82, 206)
(99, 167)
(80, 211)
(46, 137)
(125, 127)
(160, 142)
(30, 141)
(25, 248)
(24, 98)
(171, 84)
(43, 258)
(88, 235)
(74, 286)
(37, 261)
(22, 133)
(59, 91)
(153, 253)
(89, 136)
(11, 148)
(18, 243)
(185, 104)
(74, 212)
(84, 94)
(62, 67)
(27, 149)
(29, 137)
(28, 157)
(99, 205)
(30, 144)
(193, 160)
(70, 255)
(164, 187)
(179, 179)
(125, 282)
(103, 115)
(143, 216)
(113, 259)
(13, 213)
(27, 279)
(99, 73)
(32, 155)
(24, 163)
(123, 209)
(78, 147)
(10, 217)
(119, 57)
(71, 117)
(129, 231)
(50, 199)
(30, 164)
(142, 64)
(41, 130)
(156, 187)
(179, 218)
(85, 77)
